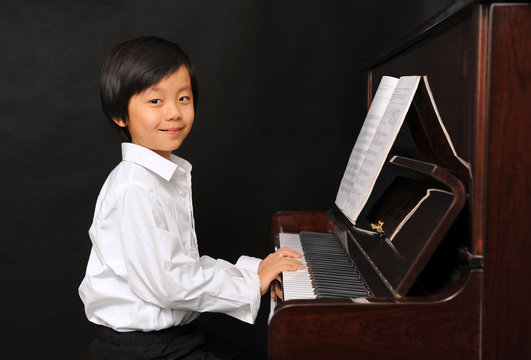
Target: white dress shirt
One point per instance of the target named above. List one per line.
(144, 271)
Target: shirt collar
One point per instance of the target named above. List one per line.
(154, 162)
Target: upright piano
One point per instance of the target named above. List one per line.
(452, 284)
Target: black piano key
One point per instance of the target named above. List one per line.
(337, 280)
(323, 287)
(330, 269)
(340, 293)
(338, 284)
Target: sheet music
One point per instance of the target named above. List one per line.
(372, 120)
(364, 167)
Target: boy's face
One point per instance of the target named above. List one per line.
(161, 117)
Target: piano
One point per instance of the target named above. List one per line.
(451, 284)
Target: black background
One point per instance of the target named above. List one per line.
(282, 97)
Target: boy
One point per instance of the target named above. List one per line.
(145, 281)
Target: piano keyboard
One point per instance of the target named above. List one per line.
(328, 274)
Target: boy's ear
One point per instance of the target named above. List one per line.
(119, 122)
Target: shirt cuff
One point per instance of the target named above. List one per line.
(248, 263)
(248, 313)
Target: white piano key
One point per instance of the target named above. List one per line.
(295, 284)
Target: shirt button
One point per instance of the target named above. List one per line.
(183, 194)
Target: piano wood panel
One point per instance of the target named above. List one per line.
(445, 326)
(297, 221)
(508, 191)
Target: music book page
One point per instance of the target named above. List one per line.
(376, 138)
(357, 156)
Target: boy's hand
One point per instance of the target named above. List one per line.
(283, 259)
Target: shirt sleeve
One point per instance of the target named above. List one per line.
(162, 270)
(248, 263)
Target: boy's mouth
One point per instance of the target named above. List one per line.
(172, 131)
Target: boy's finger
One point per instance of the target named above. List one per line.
(297, 264)
(288, 252)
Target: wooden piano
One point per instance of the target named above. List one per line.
(452, 286)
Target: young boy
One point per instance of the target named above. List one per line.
(145, 281)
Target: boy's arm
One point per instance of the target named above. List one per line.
(162, 270)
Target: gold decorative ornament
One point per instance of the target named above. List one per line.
(379, 228)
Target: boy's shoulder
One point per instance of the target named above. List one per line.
(126, 181)
(128, 175)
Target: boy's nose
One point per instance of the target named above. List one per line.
(174, 112)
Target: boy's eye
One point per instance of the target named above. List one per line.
(155, 101)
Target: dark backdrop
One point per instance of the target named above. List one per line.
(282, 97)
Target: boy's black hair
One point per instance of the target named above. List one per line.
(132, 67)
